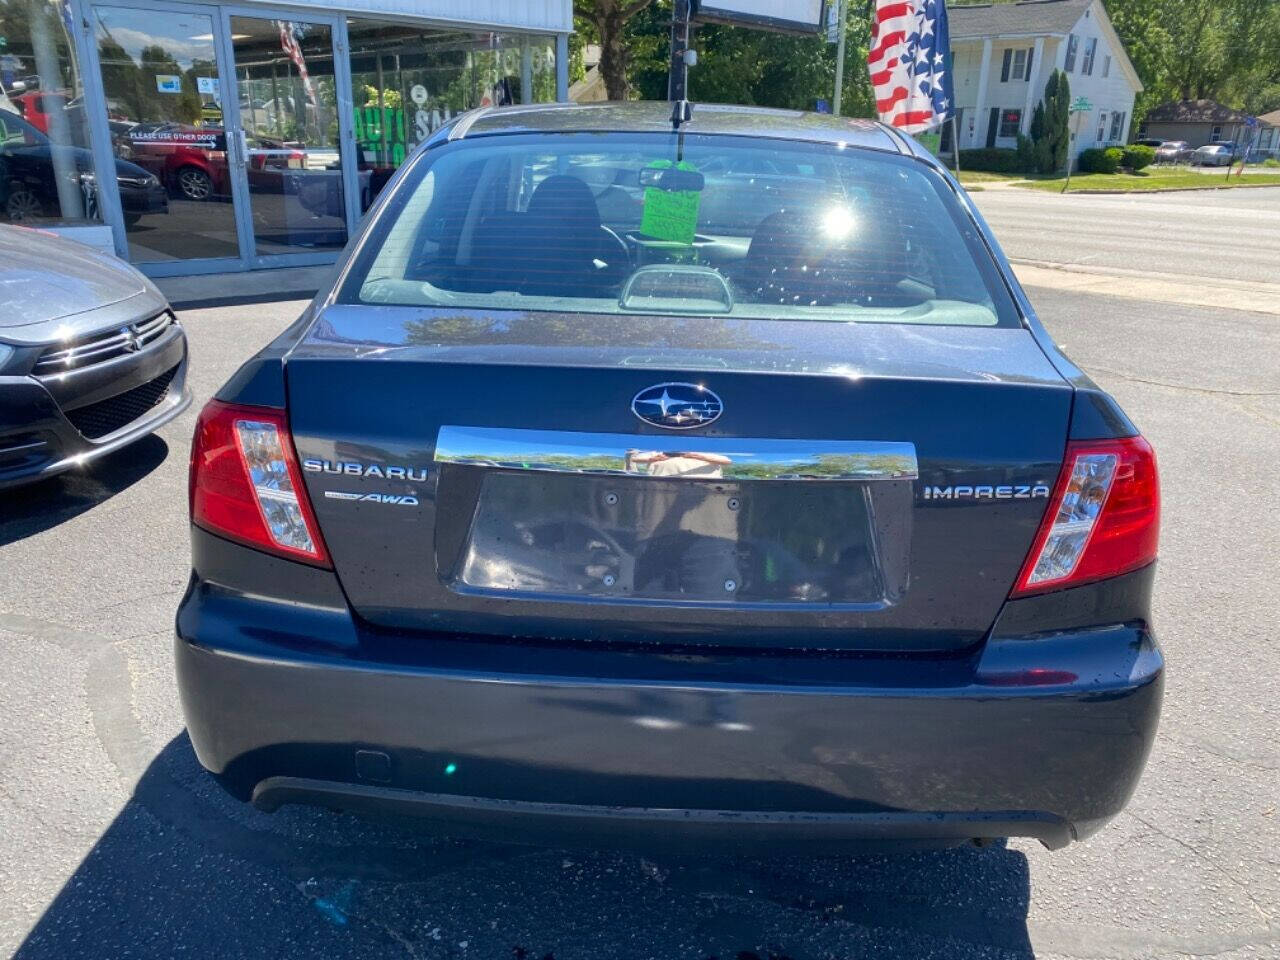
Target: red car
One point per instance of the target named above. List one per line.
(36, 107)
(192, 161)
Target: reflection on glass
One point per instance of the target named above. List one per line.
(288, 109)
(46, 169)
(407, 81)
(159, 75)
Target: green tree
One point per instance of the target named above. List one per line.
(1057, 119)
(757, 67)
(607, 21)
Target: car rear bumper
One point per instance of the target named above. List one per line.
(1042, 736)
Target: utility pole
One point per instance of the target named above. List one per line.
(843, 20)
(678, 82)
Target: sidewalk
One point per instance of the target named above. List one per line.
(254, 286)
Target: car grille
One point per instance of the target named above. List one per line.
(108, 345)
(107, 416)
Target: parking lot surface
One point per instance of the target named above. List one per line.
(113, 843)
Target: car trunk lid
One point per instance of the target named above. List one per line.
(868, 486)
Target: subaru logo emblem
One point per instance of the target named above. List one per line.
(677, 406)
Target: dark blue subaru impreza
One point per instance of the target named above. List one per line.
(702, 486)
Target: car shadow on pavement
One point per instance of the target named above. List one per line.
(40, 506)
(185, 869)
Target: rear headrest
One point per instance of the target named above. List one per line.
(779, 238)
(566, 199)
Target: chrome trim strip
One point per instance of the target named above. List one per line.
(685, 457)
(105, 345)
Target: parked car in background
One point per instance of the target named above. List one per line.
(91, 356)
(739, 516)
(36, 106)
(1214, 155)
(28, 177)
(1174, 151)
(192, 162)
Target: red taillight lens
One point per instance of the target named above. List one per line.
(1103, 520)
(245, 482)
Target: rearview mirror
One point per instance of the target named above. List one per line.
(672, 179)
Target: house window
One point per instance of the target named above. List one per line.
(1090, 50)
(1102, 126)
(1216, 135)
(1106, 68)
(1117, 126)
(1073, 44)
(1010, 123)
(1019, 64)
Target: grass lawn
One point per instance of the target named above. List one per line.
(1150, 179)
(981, 176)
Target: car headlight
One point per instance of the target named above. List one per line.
(6, 352)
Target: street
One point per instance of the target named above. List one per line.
(1221, 234)
(114, 843)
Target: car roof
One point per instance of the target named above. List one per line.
(710, 118)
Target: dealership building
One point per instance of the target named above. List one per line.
(220, 137)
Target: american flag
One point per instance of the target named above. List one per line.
(289, 44)
(910, 73)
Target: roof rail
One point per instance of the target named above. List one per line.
(898, 137)
(462, 126)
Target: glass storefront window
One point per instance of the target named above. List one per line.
(164, 112)
(288, 101)
(46, 168)
(407, 81)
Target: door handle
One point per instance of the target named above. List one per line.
(241, 152)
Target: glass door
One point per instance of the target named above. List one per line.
(162, 77)
(287, 126)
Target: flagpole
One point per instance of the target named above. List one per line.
(955, 129)
(955, 144)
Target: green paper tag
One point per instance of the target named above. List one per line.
(670, 214)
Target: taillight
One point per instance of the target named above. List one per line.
(1103, 520)
(245, 482)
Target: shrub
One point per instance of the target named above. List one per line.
(1271, 162)
(990, 160)
(1097, 160)
(1137, 156)
(1042, 155)
(1026, 154)
(1057, 117)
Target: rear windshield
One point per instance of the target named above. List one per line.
(619, 224)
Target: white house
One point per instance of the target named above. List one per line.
(1003, 53)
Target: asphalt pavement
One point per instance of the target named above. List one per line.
(1219, 234)
(113, 843)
